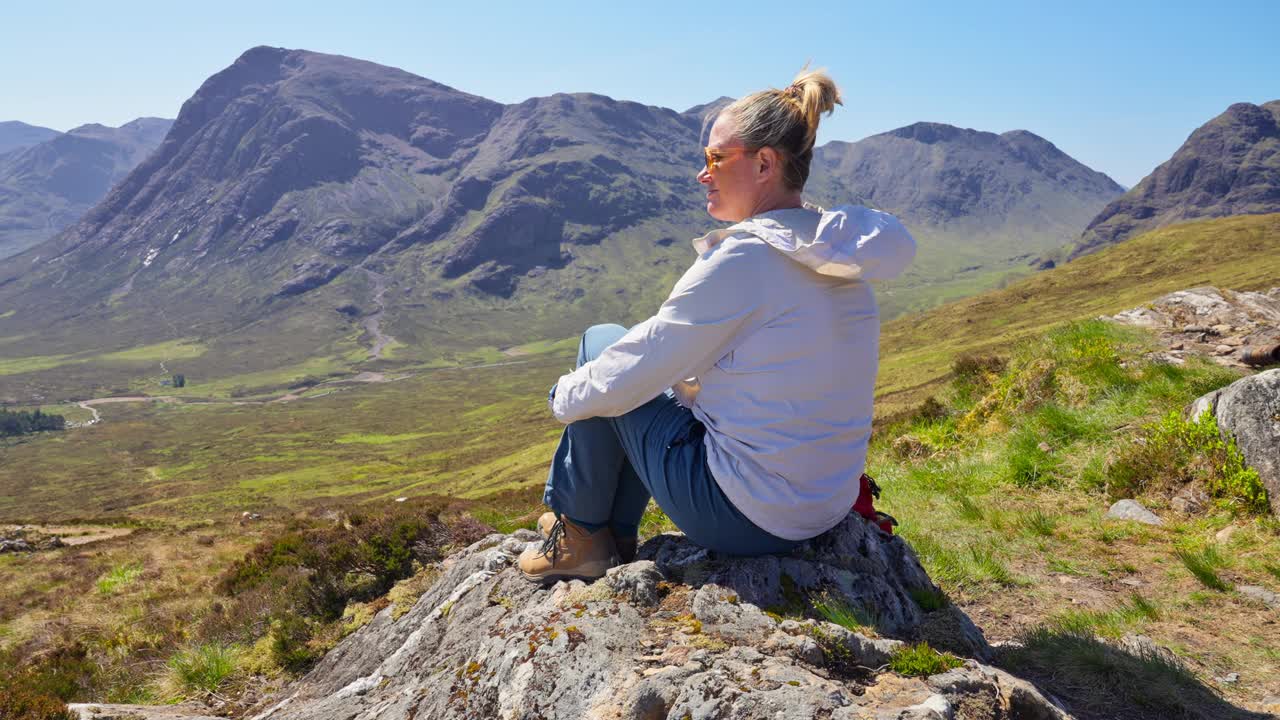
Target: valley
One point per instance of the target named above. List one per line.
(302, 337)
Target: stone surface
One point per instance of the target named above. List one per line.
(1209, 321)
(1134, 511)
(1260, 593)
(680, 633)
(1249, 409)
(1190, 500)
(99, 711)
(1143, 646)
(23, 538)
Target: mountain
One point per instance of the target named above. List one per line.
(1228, 166)
(49, 185)
(978, 202)
(15, 135)
(305, 207)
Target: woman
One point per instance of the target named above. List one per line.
(743, 407)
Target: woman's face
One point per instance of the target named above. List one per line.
(734, 188)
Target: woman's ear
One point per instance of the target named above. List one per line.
(767, 164)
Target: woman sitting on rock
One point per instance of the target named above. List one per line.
(743, 407)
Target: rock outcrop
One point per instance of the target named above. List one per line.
(25, 539)
(680, 633)
(1221, 324)
(1249, 411)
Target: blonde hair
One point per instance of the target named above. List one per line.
(787, 120)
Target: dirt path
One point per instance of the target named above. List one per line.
(362, 377)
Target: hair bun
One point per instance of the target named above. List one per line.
(816, 93)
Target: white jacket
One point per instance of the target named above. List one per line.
(781, 331)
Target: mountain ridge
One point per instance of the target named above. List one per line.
(290, 176)
(1228, 166)
(47, 186)
(15, 134)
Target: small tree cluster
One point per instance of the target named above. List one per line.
(22, 422)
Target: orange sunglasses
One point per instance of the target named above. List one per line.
(715, 157)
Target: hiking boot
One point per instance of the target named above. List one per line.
(569, 551)
(545, 522)
(626, 545)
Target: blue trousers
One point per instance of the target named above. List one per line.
(606, 469)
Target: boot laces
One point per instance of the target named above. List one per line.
(551, 546)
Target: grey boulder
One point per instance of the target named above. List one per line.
(1133, 510)
(1249, 411)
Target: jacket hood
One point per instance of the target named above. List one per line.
(849, 241)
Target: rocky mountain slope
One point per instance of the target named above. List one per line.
(48, 185)
(15, 135)
(1228, 166)
(1016, 190)
(300, 194)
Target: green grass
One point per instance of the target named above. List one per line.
(929, 600)
(1204, 566)
(200, 670)
(835, 610)
(917, 350)
(20, 365)
(922, 661)
(118, 578)
(375, 439)
(1114, 623)
(1273, 570)
(1174, 449)
(168, 350)
(1038, 523)
(448, 431)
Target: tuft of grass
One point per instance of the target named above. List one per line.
(1037, 523)
(1027, 463)
(118, 577)
(836, 610)
(199, 670)
(922, 661)
(1112, 623)
(961, 567)
(1203, 565)
(655, 522)
(967, 509)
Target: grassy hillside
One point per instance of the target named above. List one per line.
(1239, 253)
(1000, 483)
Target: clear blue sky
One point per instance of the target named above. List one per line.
(1118, 85)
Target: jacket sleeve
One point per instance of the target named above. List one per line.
(715, 303)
